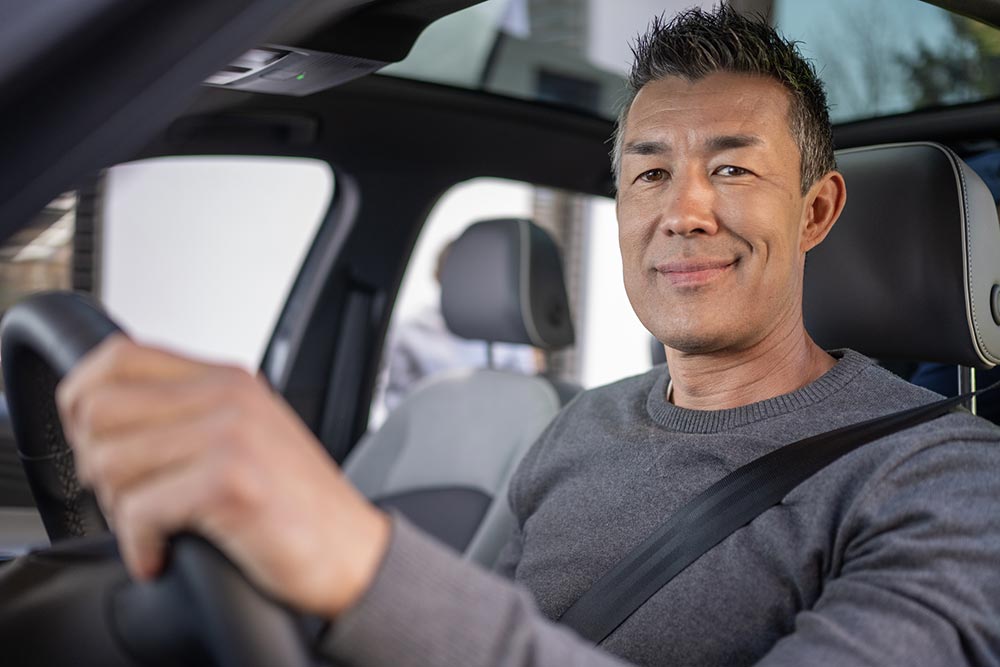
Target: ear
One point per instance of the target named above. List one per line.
(824, 202)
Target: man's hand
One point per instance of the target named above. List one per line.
(172, 445)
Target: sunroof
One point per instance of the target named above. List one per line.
(893, 56)
(877, 58)
(546, 50)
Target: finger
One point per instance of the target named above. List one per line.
(151, 513)
(118, 358)
(115, 465)
(119, 406)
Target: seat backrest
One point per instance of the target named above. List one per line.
(444, 456)
(911, 271)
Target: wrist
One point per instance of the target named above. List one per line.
(364, 557)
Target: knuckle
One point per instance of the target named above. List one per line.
(118, 346)
(110, 355)
(239, 386)
(96, 366)
(231, 436)
(85, 415)
(108, 469)
(64, 398)
(237, 488)
(237, 374)
(90, 414)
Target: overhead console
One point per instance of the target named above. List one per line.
(327, 55)
(285, 70)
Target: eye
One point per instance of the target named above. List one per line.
(731, 170)
(652, 176)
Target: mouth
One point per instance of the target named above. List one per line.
(695, 272)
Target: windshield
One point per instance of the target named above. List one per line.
(877, 58)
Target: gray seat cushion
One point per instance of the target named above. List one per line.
(465, 430)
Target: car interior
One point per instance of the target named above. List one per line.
(909, 276)
(444, 456)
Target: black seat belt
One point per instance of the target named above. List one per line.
(729, 504)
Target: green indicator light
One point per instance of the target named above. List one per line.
(300, 77)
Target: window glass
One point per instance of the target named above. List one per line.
(610, 341)
(613, 343)
(893, 56)
(876, 58)
(418, 344)
(568, 52)
(200, 252)
(39, 257)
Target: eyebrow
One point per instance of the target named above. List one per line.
(646, 148)
(730, 141)
(715, 144)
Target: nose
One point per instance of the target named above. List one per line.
(689, 207)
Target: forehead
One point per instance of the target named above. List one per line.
(675, 108)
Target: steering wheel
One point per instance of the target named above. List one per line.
(202, 607)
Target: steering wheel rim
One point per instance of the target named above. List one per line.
(201, 596)
(41, 339)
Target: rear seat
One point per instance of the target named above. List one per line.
(444, 457)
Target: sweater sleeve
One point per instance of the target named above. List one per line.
(428, 607)
(919, 582)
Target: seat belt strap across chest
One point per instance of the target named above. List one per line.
(729, 504)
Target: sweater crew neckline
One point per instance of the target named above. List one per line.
(849, 365)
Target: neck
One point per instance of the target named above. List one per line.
(726, 379)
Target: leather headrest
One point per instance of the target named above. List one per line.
(911, 271)
(502, 281)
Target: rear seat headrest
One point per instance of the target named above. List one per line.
(502, 281)
(912, 269)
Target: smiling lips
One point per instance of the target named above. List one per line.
(694, 272)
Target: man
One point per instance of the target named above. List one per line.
(726, 179)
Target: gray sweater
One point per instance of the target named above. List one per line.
(889, 556)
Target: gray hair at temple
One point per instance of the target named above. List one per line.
(696, 43)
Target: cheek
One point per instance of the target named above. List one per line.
(634, 230)
(629, 247)
(779, 263)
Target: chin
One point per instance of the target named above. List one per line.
(693, 345)
(695, 340)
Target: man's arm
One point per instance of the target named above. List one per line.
(427, 606)
(919, 583)
(173, 445)
(920, 580)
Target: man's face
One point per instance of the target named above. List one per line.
(710, 212)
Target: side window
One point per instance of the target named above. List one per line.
(199, 253)
(39, 257)
(610, 341)
(613, 343)
(195, 253)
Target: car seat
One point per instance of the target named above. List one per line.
(912, 268)
(444, 456)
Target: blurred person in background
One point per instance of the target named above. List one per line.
(422, 346)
